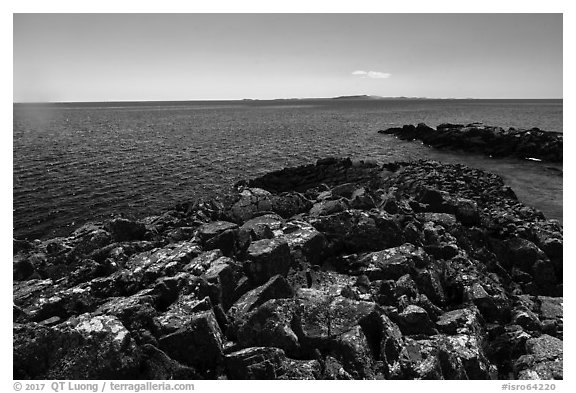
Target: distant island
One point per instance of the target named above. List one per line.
(369, 97)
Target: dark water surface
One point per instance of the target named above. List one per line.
(80, 162)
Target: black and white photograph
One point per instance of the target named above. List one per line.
(286, 196)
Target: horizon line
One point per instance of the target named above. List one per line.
(356, 97)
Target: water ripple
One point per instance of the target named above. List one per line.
(74, 164)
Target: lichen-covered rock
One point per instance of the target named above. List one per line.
(180, 312)
(301, 369)
(307, 245)
(163, 262)
(211, 229)
(135, 312)
(414, 270)
(40, 300)
(415, 320)
(544, 359)
(390, 264)
(263, 227)
(327, 207)
(461, 321)
(271, 325)
(197, 344)
(89, 347)
(256, 363)
(276, 288)
(251, 202)
(355, 230)
(267, 258)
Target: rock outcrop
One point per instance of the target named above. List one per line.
(339, 270)
(493, 141)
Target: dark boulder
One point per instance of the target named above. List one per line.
(263, 227)
(544, 359)
(158, 365)
(415, 320)
(197, 344)
(267, 258)
(123, 229)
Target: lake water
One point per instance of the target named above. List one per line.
(75, 163)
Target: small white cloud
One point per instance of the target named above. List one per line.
(371, 74)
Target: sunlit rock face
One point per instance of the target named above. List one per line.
(338, 270)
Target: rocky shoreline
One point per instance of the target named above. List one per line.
(493, 141)
(335, 270)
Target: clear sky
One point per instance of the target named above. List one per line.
(115, 57)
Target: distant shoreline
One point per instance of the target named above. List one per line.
(274, 100)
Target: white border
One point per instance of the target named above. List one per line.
(296, 6)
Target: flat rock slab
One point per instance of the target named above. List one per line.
(212, 229)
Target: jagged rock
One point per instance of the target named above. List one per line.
(262, 227)
(419, 359)
(22, 268)
(158, 365)
(415, 320)
(197, 344)
(231, 242)
(89, 347)
(163, 262)
(40, 300)
(448, 276)
(327, 207)
(301, 369)
(179, 312)
(201, 263)
(289, 204)
(391, 263)
(266, 258)
(255, 363)
(544, 359)
(209, 230)
(492, 141)
(252, 201)
(487, 304)
(344, 190)
(405, 285)
(355, 230)
(353, 349)
(468, 352)
(325, 315)
(433, 310)
(334, 370)
(221, 271)
(135, 312)
(467, 211)
(123, 229)
(306, 244)
(550, 307)
(361, 199)
(461, 321)
(225, 273)
(270, 325)
(524, 253)
(526, 318)
(276, 288)
(430, 284)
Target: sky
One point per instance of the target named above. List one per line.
(142, 57)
